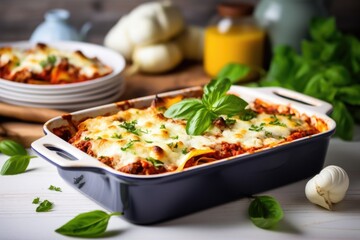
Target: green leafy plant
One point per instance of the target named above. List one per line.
(328, 68)
(89, 224)
(19, 158)
(265, 211)
(200, 113)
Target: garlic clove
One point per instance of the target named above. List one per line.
(315, 196)
(327, 187)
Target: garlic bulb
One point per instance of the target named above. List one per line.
(327, 187)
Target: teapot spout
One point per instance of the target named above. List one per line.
(85, 30)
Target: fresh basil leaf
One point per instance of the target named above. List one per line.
(229, 105)
(344, 121)
(265, 212)
(282, 65)
(319, 87)
(199, 122)
(184, 109)
(235, 72)
(89, 224)
(323, 29)
(16, 164)
(338, 75)
(12, 148)
(350, 94)
(214, 90)
(45, 206)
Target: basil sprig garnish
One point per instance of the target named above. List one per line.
(265, 211)
(19, 158)
(201, 113)
(89, 224)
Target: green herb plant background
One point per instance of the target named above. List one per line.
(327, 68)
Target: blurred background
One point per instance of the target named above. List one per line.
(19, 18)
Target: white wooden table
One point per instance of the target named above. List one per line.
(303, 220)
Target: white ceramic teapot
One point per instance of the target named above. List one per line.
(56, 27)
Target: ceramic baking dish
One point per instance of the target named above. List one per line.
(155, 198)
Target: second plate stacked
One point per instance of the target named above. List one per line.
(72, 96)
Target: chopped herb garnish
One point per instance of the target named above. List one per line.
(230, 121)
(50, 60)
(36, 200)
(173, 145)
(276, 121)
(116, 135)
(148, 141)
(257, 128)
(57, 189)
(184, 151)
(87, 139)
(268, 134)
(129, 145)
(130, 127)
(162, 126)
(175, 137)
(155, 162)
(99, 137)
(247, 114)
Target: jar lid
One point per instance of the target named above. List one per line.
(234, 9)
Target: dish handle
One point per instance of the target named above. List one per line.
(63, 155)
(298, 99)
(294, 97)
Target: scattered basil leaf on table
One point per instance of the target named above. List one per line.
(16, 164)
(53, 188)
(44, 206)
(19, 158)
(12, 148)
(265, 211)
(89, 224)
(36, 200)
(201, 113)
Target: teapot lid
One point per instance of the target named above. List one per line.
(57, 14)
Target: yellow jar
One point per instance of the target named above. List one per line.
(233, 37)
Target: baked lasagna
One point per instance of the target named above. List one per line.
(144, 141)
(43, 64)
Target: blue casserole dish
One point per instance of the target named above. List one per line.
(156, 198)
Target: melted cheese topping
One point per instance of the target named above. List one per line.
(141, 134)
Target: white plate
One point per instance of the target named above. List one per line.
(106, 55)
(72, 106)
(45, 95)
(61, 99)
